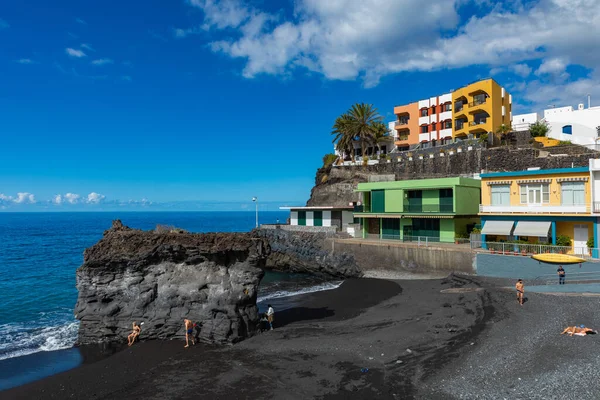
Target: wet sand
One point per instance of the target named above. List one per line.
(367, 339)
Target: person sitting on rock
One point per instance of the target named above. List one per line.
(189, 332)
(578, 330)
(134, 334)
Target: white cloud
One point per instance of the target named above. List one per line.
(24, 198)
(80, 21)
(87, 47)
(74, 53)
(72, 198)
(95, 198)
(522, 70)
(4, 24)
(102, 61)
(57, 199)
(25, 61)
(553, 66)
(369, 39)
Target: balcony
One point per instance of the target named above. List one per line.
(478, 122)
(537, 209)
(428, 208)
(476, 103)
(401, 122)
(401, 138)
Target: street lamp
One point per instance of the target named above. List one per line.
(255, 200)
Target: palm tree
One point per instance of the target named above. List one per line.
(344, 141)
(362, 119)
(503, 131)
(381, 134)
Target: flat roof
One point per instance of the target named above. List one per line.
(433, 183)
(556, 171)
(317, 208)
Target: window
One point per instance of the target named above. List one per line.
(447, 107)
(447, 124)
(535, 193)
(572, 193)
(424, 129)
(424, 112)
(567, 129)
(501, 195)
(479, 99)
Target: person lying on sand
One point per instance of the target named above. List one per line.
(134, 334)
(520, 286)
(578, 330)
(189, 332)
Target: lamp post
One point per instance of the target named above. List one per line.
(255, 200)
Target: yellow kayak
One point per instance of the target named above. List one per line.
(551, 258)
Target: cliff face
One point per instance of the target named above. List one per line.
(305, 252)
(334, 186)
(160, 279)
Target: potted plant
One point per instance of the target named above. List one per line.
(590, 244)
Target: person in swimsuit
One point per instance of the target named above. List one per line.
(561, 275)
(134, 334)
(189, 332)
(578, 330)
(520, 286)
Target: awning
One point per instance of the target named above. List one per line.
(497, 228)
(532, 228)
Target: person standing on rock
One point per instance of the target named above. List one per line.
(561, 275)
(189, 332)
(520, 286)
(270, 315)
(134, 334)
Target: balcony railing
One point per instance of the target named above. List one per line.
(402, 137)
(428, 208)
(597, 206)
(536, 209)
(477, 103)
(401, 122)
(478, 122)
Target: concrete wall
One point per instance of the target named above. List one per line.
(583, 121)
(386, 256)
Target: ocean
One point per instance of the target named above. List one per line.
(39, 254)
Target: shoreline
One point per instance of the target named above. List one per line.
(456, 337)
(338, 332)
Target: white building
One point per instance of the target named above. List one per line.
(522, 122)
(580, 126)
(341, 218)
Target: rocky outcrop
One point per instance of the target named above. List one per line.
(305, 252)
(162, 278)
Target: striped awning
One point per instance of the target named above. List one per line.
(532, 228)
(499, 183)
(574, 179)
(534, 181)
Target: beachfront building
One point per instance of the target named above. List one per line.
(522, 122)
(538, 206)
(340, 218)
(480, 107)
(579, 126)
(437, 209)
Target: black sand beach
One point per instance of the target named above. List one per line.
(367, 339)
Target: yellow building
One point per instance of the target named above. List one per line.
(538, 206)
(480, 107)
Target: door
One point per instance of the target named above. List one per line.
(318, 218)
(302, 218)
(580, 238)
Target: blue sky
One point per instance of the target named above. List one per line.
(180, 104)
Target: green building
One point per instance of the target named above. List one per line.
(439, 209)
